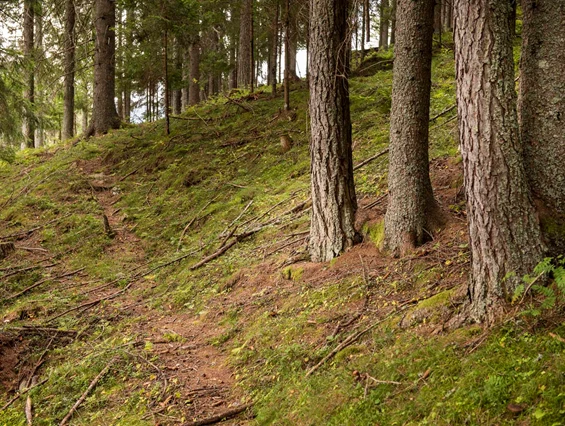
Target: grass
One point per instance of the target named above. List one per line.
(275, 321)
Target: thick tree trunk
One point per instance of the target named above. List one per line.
(69, 95)
(333, 191)
(367, 20)
(412, 213)
(542, 113)
(273, 48)
(194, 90)
(245, 57)
(505, 239)
(104, 114)
(28, 127)
(384, 24)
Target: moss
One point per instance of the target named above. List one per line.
(375, 232)
(291, 273)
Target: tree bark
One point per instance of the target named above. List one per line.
(245, 57)
(177, 93)
(333, 191)
(69, 96)
(194, 88)
(393, 23)
(542, 113)
(412, 213)
(286, 82)
(273, 48)
(384, 23)
(104, 114)
(28, 127)
(128, 55)
(504, 233)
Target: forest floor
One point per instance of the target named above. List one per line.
(164, 280)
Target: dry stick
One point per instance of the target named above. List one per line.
(94, 302)
(284, 246)
(368, 160)
(87, 391)
(220, 417)
(189, 224)
(213, 256)
(32, 230)
(39, 363)
(15, 398)
(31, 329)
(29, 416)
(349, 340)
(237, 218)
(382, 382)
(445, 111)
(37, 284)
(376, 202)
(129, 174)
(32, 249)
(444, 123)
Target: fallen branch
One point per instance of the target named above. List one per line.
(220, 417)
(239, 104)
(15, 398)
(445, 111)
(215, 255)
(349, 340)
(189, 224)
(29, 415)
(368, 160)
(37, 284)
(17, 235)
(237, 218)
(32, 249)
(31, 329)
(87, 391)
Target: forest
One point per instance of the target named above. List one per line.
(282, 212)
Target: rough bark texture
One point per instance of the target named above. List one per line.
(333, 192)
(542, 113)
(245, 57)
(194, 88)
(393, 22)
(273, 48)
(69, 96)
(412, 213)
(505, 239)
(104, 114)
(28, 127)
(177, 93)
(286, 82)
(384, 22)
(128, 55)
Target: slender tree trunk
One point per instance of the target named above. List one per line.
(233, 69)
(104, 114)
(194, 90)
(245, 57)
(28, 127)
(166, 96)
(177, 93)
(287, 57)
(384, 22)
(412, 213)
(39, 58)
(393, 23)
(273, 46)
(292, 43)
(542, 113)
(69, 96)
(363, 29)
(185, 78)
(127, 74)
(504, 233)
(333, 191)
(120, 80)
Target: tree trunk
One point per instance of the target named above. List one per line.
(393, 23)
(292, 43)
(194, 90)
(127, 73)
(542, 113)
(28, 127)
(384, 22)
(104, 114)
(367, 20)
(412, 213)
(333, 191)
(245, 57)
(177, 93)
(273, 48)
(504, 233)
(286, 82)
(69, 67)
(166, 96)
(39, 56)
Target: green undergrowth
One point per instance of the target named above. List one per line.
(221, 161)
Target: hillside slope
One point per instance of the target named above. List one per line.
(177, 266)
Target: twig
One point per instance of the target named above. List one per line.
(31, 329)
(349, 340)
(245, 107)
(214, 255)
(220, 417)
(29, 416)
(32, 249)
(445, 111)
(444, 123)
(382, 382)
(87, 391)
(530, 286)
(15, 398)
(237, 218)
(376, 202)
(32, 230)
(129, 174)
(37, 284)
(189, 224)
(368, 160)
